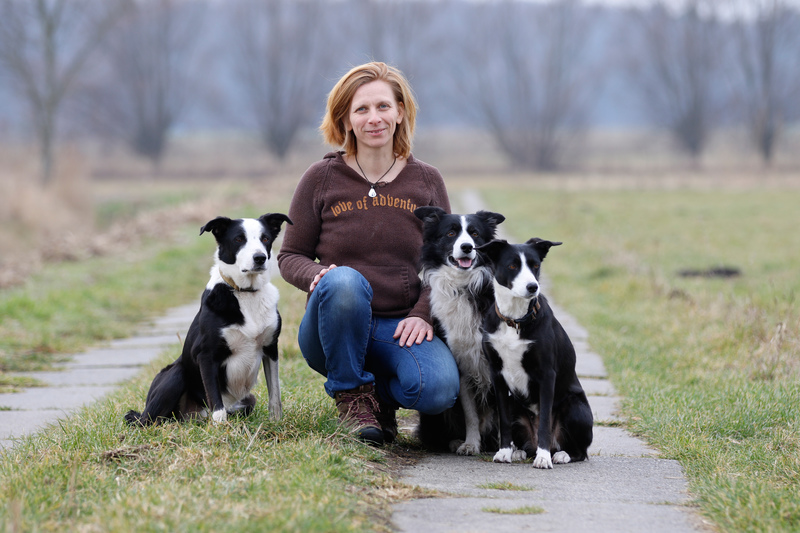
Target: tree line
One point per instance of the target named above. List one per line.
(530, 73)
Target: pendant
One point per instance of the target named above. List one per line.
(372, 193)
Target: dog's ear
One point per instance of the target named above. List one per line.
(542, 246)
(274, 220)
(216, 226)
(429, 213)
(491, 219)
(491, 250)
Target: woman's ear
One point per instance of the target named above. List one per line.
(401, 112)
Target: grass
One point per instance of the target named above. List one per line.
(709, 368)
(503, 485)
(92, 473)
(69, 306)
(526, 509)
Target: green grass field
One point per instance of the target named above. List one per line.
(708, 369)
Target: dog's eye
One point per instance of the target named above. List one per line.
(512, 266)
(265, 239)
(474, 234)
(238, 239)
(451, 233)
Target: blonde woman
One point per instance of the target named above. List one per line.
(355, 247)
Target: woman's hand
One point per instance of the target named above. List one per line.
(413, 330)
(319, 277)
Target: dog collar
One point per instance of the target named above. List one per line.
(517, 323)
(233, 284)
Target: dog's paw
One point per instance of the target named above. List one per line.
(455, 444)
(275, 411)
(561, 458)
(543, 459)
(518, 456)
(469, 448)
(133, 418)
(504, 455)
(220, 416)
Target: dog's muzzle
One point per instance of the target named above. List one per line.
(259, 263)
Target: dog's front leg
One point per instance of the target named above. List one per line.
(508, 452)
(270, 362)
(209, 372)
(472, 442)
(546, 390)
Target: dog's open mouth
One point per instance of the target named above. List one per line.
(461, 262)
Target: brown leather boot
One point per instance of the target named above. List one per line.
(357, 408)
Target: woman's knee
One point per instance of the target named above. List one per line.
(439, 394)
(434, 388)
(344, 288)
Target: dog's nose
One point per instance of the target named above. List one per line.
(259, 259)
(532, 287)
(466, 247)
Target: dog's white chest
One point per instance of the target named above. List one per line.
(511, 348)
(460, 321)
(246, 340)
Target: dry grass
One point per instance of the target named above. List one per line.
(39, 222)
(45, 224)
(211, 175)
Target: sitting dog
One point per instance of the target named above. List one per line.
(236, 329)
(533, 363)
(461, 291)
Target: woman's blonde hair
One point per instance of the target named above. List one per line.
(341, 96)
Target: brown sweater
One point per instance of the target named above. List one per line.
(336, 222)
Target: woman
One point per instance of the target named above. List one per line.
(355, 247)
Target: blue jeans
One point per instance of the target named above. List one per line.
(341, 340)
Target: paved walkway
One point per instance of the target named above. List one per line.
(88, 376)
(623, 487)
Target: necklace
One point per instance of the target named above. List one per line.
(378, 182)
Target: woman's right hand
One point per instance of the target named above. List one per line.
(319, 277)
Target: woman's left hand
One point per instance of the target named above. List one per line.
(413, 330)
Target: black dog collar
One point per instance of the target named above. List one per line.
(517, 323)
(233, 284)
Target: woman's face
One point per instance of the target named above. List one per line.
(374, 115)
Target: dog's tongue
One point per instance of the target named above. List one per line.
(465, 262)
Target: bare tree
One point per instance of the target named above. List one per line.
(393, 31)
(676, 67)
(527, 77)
(281, 51)
(767, 54)
(144, 84)
(44, 44)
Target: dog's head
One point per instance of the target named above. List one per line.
(453, 240)
(244, 246)
(516, 266)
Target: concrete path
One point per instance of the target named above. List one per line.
(623, 487)
(88, 376)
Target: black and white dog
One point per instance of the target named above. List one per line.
(236, 329)
(533, 363)
(461, 291)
